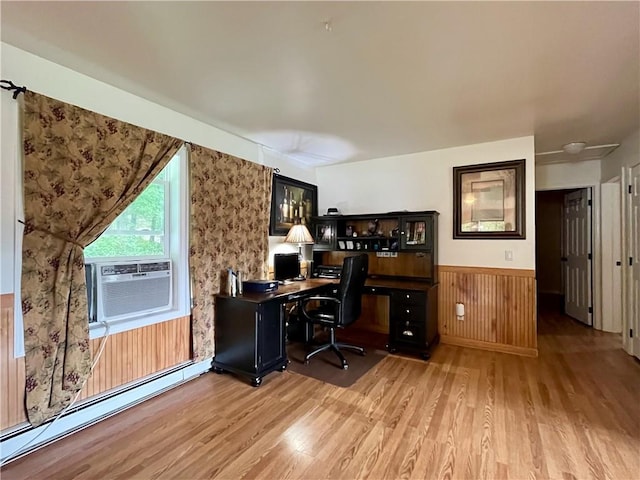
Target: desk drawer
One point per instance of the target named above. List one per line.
(409, 297)
(407, 332)
(412, 313)
(373, 290)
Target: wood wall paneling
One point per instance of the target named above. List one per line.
(500, 308)
(163, 345)
(405, 264)
(500, 304)
(127, 357)
(12, 375)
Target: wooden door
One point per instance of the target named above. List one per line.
(577, 255)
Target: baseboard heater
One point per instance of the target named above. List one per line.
(18, 436)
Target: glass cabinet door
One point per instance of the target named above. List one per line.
(324, 235)
(416, 233)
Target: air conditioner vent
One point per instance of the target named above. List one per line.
(126, 290)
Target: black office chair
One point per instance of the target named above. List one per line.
(341, 309)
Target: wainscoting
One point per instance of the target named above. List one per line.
(128, 356)
(135, 354)
(500, 309)
(11, 370)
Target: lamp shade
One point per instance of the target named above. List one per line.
(299, 234)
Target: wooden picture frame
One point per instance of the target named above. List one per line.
(489, 201)
(292, 201)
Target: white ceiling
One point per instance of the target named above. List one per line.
(343, 81)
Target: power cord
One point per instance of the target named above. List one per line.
(93, 366)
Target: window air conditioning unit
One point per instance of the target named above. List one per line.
(127, 289)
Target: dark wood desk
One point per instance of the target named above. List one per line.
(290, 292)
(250, 329)
(413, 313)
(250, 336)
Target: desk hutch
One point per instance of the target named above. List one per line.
(402, 289)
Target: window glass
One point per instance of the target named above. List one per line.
(139, 231)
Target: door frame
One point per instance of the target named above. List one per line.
(627, 274)
(612, 291)
(596, 254)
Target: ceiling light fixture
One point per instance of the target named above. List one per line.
(574, 147)
(570, 151)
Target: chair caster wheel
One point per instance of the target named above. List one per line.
(255, 382)
(363, 354)
(425, 356)
(345, 366)
(283, 368)
(218, 370)
(306, 362)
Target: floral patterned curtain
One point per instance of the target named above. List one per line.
(81, 170)
(230, 200)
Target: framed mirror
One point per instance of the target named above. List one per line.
(489, 200)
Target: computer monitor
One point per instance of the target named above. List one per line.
(286, 266)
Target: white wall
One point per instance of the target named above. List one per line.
(557, 176)
(8, 150)
(424, 181)
(47, 78)
(626, 155)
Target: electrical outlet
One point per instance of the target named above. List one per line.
(508, 255)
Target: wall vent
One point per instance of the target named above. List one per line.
(128, 289)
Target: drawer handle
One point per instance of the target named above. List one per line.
(408, 333)
(408, 296)
(408, 311)
(406, 323)
(373, 289)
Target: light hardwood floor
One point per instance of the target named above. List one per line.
(571, 413)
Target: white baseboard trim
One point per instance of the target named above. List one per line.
(19, 444)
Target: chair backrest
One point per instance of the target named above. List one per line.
(352, 278)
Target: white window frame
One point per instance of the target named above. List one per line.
(177, 238)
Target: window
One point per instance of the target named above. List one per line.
(142, 230)
(153, 228)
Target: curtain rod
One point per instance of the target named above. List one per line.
(9, 85)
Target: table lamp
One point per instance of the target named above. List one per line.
(299, 234)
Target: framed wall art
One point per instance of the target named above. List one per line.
(489, 200)
(292, 201)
